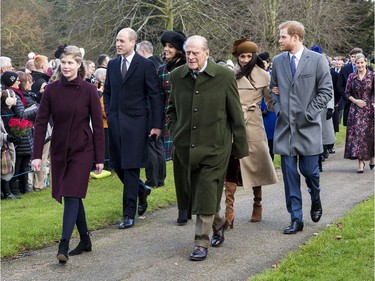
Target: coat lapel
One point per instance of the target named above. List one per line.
(132, 67)
(302, 63)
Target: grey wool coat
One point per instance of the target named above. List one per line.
(204, 116)
(301, 98)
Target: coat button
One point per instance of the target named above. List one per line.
(194, 127)
(197, 92)
(193, 146)
(195, 110)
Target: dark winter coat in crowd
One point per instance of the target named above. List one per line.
(39, 78)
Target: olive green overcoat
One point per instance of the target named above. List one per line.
(204, 116)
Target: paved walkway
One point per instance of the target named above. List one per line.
(157, 249)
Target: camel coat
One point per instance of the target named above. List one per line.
(256, 169)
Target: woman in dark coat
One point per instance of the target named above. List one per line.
(174, 56)
(360, 127)
(72, 103)
(19, 184)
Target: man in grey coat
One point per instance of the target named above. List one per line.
(302, 87)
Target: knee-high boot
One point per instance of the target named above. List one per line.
(257, 206)
(230, 189)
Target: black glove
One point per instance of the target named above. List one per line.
(13, 139)
(329, 113)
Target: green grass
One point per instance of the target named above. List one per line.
(326, 257)
(35, 221)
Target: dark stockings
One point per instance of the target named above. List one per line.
(74, 214)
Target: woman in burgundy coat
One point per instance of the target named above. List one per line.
(72, 103)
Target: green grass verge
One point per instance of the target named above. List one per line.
(342, 251)
(35, 220)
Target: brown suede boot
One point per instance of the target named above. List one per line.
(257, 206)
(230, 189)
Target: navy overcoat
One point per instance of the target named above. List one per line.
(133, 106)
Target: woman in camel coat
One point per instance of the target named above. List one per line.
(256, 169)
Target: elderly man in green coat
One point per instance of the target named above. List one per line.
(206, 124)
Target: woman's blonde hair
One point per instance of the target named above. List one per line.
(360, 56)
(75, 52)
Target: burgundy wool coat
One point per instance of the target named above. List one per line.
(74, 144)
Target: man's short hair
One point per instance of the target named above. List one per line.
(101, 59)
(5, 62)
(294, 27)
(355, 51)
(145, 46)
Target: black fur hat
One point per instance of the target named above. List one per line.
(175, 38)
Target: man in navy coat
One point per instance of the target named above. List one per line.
(131, 96)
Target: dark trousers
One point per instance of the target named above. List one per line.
(156, 166)
(74, 214)
(22, 166)
(133, 187)
(309, 168)
(106, 151)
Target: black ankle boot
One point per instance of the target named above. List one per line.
(62, 254)
(83, 246)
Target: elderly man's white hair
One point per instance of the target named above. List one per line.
(197, 38)
(5, 61)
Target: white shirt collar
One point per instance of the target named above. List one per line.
(129, 58)
(204, 67)
(298, 55)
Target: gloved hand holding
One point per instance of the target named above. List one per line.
(329, 113)
(13, 139)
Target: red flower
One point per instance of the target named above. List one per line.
(19, 127)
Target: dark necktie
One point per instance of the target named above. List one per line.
(293, 65)
(124, 69)
(195, 74)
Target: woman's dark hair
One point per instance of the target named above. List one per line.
(177, 60)
(246, 71)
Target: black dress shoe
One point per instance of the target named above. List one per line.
(316, 211)
(294, 227)
(331, 151)
(199, 254)
(218, 237)
(126, 223)
(142, 204)
(182, 217)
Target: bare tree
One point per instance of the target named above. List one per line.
(42, 25)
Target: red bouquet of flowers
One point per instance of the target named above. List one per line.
(19, 127)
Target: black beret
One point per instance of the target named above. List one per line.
(175, 38)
